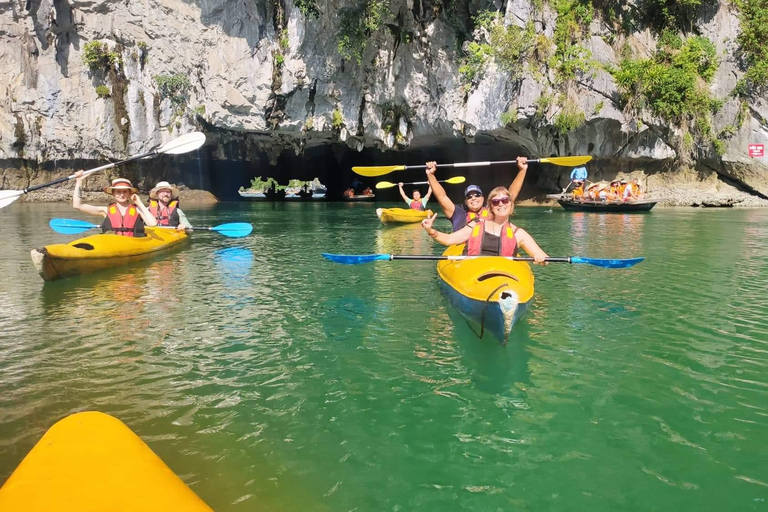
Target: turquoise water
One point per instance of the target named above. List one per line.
(270, 379)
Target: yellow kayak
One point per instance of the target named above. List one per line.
(97, 252)
(91, 462)
(491, 293)
(401, 215)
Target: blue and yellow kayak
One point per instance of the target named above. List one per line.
(91, 462)
(490, 293)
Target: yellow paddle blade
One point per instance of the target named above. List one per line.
(566, 161)
(377, 171)
(384, 184)
(456, 180)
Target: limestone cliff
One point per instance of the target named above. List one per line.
(266, 77)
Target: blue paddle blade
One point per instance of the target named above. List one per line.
(234, 229)
(70, 226)
(356, 259)
(626, 263)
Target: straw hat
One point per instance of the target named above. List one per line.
(164, 185)
(120, 183)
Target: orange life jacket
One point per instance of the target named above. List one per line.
(417, 205)
(165, 214)
(473, 216)
(125, 225)
(508, 241)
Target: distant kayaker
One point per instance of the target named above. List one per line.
(417, 203)
(473, 196)
(164, 206)
(492, 236)
(126, 216)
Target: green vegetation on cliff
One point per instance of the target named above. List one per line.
(673, 85)
(753, 40)
(357, 25)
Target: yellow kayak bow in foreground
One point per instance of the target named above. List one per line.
(91, 462)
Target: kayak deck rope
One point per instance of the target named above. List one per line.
(485, 308)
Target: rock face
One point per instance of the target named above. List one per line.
(263, 79)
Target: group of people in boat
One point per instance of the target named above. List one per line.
(481, 223)
(126, 214)
(350, 192)
(616, 191)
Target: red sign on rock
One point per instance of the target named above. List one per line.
(756, 150)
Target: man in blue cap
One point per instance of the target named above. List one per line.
(473, 196)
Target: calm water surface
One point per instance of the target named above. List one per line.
(270, 379)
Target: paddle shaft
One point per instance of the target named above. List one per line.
(465, 164)
(459, 258)
(89, 172)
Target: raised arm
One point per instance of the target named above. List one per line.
(457, 237)
(527, 242)
(442, 198)
(402, 194)
(77, 199)
(429, 194)
(517, 183)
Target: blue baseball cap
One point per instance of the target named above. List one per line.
(472, 188)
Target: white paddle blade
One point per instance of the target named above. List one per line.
(9, 196)
(183, 144)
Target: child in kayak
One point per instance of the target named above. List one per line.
(417, 203)
(492, 236)
(126, 216)
(473, 196)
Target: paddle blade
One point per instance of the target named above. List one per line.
(70, 226)
(384, 184)
(9, 196)
(566, 161)
(626, 263)
(377, 171)
(456, 180)
(234, 229)
(183, 144)
(356, 259)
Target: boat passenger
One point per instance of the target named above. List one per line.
(578, 193)
(164, 206)
(368, 191)
(417, 203)
(578, 176)
(492, 236)
(473, 207)
(126, 216)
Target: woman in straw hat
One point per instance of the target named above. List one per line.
(125, 216)
(164, 206)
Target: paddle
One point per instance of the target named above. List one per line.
(359, 259)
(566, 161)
(177, 146)
(453, 181)
(73, 226)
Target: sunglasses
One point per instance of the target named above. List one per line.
(473, 195)
(497, 201)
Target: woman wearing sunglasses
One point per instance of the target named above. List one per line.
(492, 236)
(460, 215)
